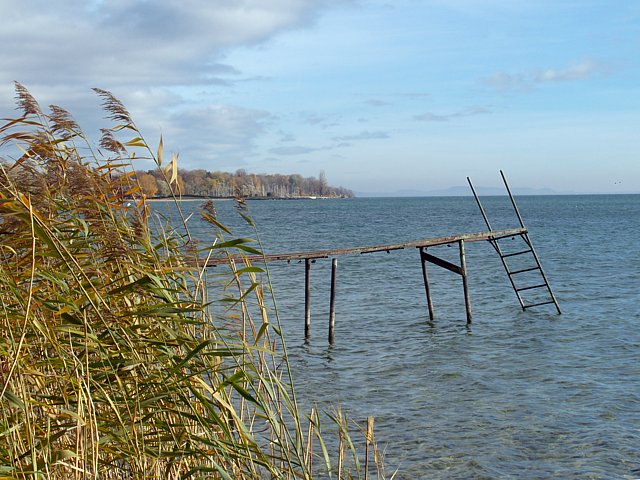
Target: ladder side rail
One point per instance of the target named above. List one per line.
(509, 276)
(495, 245)
(544, 276)
(484, 215)
(513, 202)
(528, 241)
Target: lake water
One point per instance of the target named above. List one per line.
(515, 395)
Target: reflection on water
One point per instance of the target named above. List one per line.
(514, 395)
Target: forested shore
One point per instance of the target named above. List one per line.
(202, 183)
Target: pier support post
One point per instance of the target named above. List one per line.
(332, 303)
(463, 268)
(307, 298)
(425, 278)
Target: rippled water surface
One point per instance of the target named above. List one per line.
(514, 395)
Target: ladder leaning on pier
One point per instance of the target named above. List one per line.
(528, 250)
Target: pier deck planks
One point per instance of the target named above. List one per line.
(428, 242)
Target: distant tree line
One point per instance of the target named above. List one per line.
(201, 183)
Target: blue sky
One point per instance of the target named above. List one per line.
(383, 96)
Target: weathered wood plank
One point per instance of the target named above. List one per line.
(332, 301)
(307, 298)
(442, 263)
(428, 242)
(465, 286)
(425, 278)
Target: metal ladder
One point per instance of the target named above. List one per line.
(528, 249)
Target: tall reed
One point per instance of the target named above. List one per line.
(114, 363)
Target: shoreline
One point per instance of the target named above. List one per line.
(193, 198)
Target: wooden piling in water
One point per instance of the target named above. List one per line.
(307, 298)
(425, 278)
(332, 302)
(465, 286)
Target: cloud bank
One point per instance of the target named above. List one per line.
(134, 42)
(155, 56)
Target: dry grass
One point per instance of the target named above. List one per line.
(113, 364)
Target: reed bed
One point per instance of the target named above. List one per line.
(114, 362)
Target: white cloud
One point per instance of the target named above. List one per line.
(216, 134)
(366, 135)
(575, 71)
(376, 103)
(286, 137)
(320, 120)
(504, 81)
(293, 150)
(467, 112)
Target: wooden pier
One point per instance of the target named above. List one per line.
(491, 236)
(428, 242)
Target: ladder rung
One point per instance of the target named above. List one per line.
(532, 287)
(511, 236)
(516, 253)
(524, 270)
(538, 304)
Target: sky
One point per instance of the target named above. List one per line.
(384, 96)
